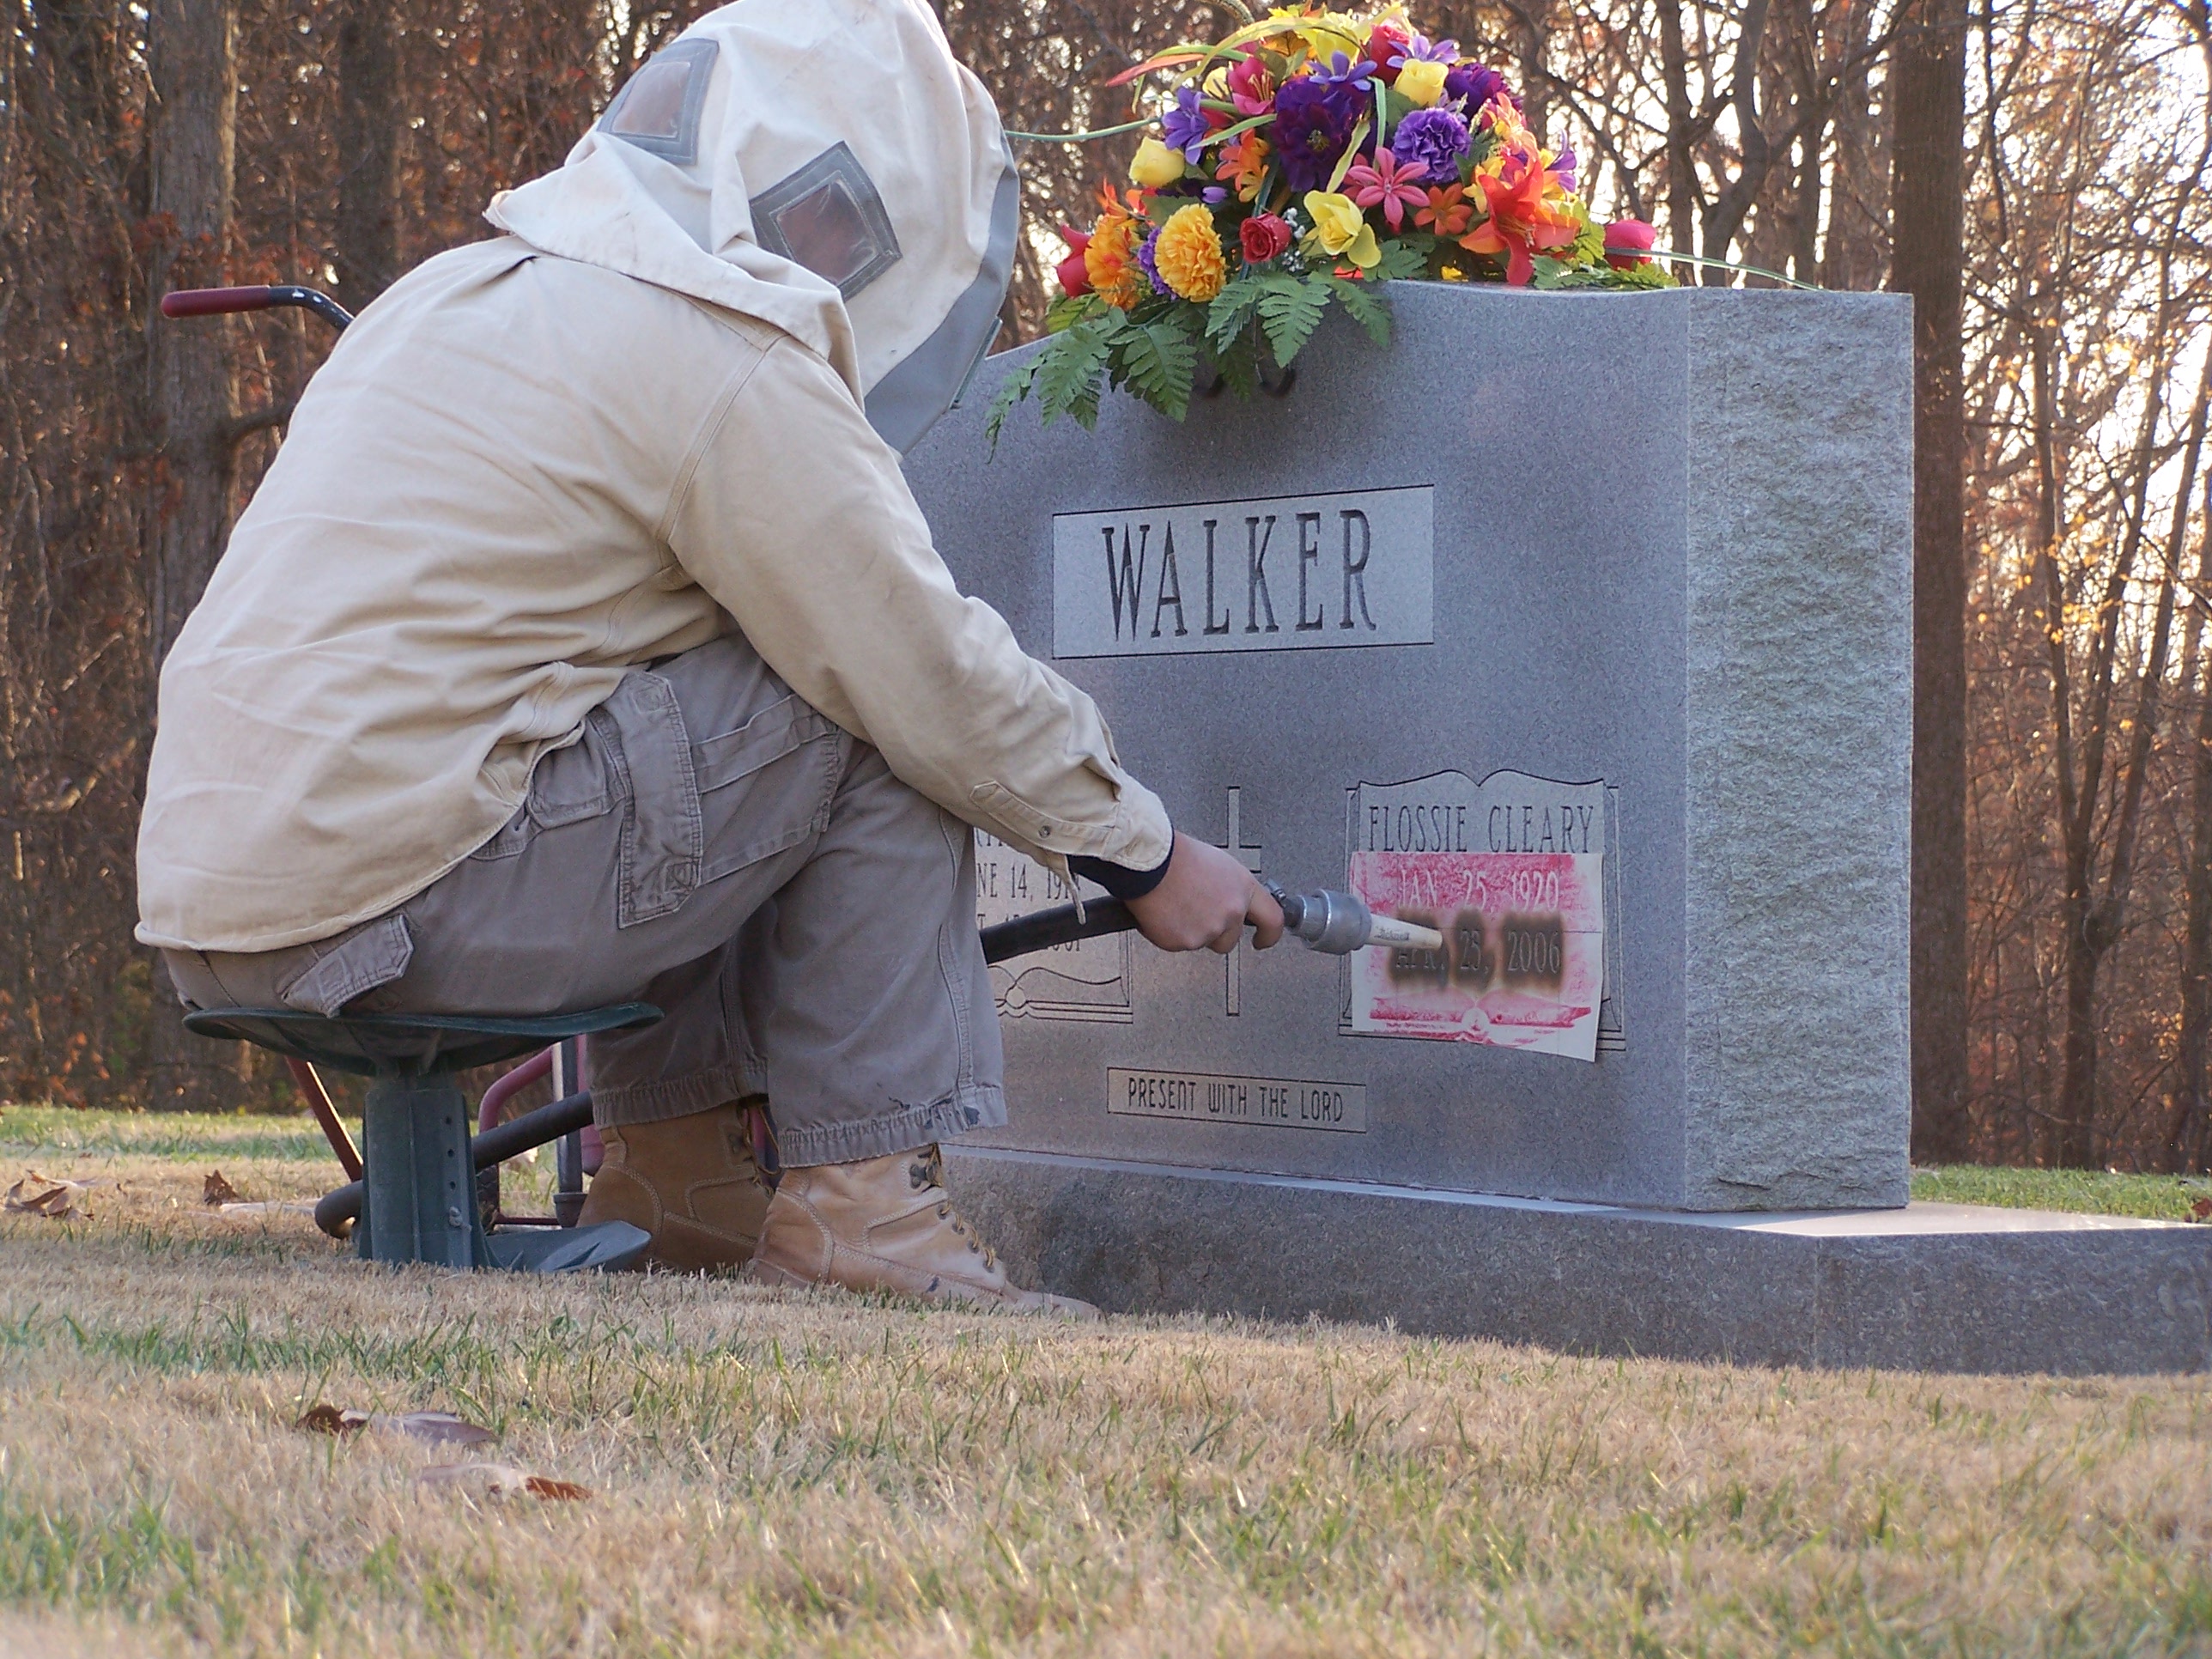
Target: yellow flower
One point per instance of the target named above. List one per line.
(1341, 228)
(1155, 165)
(1189, 254)
(1421, 82)
(1325, 33)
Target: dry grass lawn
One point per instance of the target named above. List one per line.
(777, 1474)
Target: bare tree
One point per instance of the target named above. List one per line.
(1928, 81)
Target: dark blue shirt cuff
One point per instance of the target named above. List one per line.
(1119, 880)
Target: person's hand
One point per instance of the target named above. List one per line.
(1205, 900)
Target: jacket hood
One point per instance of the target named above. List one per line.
(823, 166)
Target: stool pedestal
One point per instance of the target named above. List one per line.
(420, 1204)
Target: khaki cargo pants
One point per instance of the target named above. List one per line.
(715, 846)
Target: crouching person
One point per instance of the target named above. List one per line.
(584, 643)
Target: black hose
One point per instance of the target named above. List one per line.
(1046, 928)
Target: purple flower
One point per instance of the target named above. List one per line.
(1146, 257)
(1477, 84)
(1421, 49)
(1314, 119)
(1186, 125)
(1344, 71)
(1562, 168)
(1436, 139)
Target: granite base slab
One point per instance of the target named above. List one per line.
(1934, 1287)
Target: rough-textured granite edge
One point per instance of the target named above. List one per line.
(1800, 735)
(1135, 1239)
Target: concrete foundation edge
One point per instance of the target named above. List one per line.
(1143, 1238)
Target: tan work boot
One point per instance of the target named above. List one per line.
(690, 1182)
(886, 1223)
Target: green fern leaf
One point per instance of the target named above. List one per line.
(1404, 255)
(1290, 310)
(1011, 391)
(1068, 371)
(1230, 311)
(1366, 307)
(1157, 361)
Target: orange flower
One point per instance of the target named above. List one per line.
(1188, 254)
(1522, 221)
(1448, 211)
(1243, 165)
(1110, 259)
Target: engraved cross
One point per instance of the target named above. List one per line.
(1236, 844)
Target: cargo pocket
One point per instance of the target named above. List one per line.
(349, 965)
(661, 830)
(779, 810)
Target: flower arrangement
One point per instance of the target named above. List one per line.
(1302, 162)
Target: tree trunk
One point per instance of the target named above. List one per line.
(1682, 191)
(1927, 90)
(367, 250)
(191, 47)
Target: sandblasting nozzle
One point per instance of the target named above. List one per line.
(1337, 924)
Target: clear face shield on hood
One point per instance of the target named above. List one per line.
(824, 165)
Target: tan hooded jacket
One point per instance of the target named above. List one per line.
(668, 403)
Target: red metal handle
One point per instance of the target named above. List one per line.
(214, 302)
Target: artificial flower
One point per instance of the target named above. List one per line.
(1074, 273)
(1435, 138)
(1448, 211)
(1187, 255)
(1628, 243)
(1421, 49)
(1522, 221)
(1386, 50)
(1340, 227)
(1251, 89)
(1244, 165)
(1110, 259)
(1562, 169)
(1322, 34)
(1422, 82)
(1345, 72)
(1264, 236)
(1148, 261)
(1314, 123)
(1186, 125)
(1389, 183)
(1155, 165)
(1475, 86)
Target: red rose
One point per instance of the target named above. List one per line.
(1627, 241)
(1386, 41)
(1074, 279)
(1265, 237)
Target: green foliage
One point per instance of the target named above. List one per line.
(1557, 274)
(1157, 360)
(1067, 311)
(1231, 314)
(1369, 312)
(1291, 308)
(1260, 319)
(1404, 257)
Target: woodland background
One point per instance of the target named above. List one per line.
(2034, 172)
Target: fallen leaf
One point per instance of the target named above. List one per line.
(216, 1190)
(437, 1428)
(504, 1480)
(37, 1194)
(2201, 1210)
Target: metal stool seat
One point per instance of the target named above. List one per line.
(419, 1203)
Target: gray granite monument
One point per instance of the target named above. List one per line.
(1578, 627)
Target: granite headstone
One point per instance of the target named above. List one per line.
(1578, 625)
